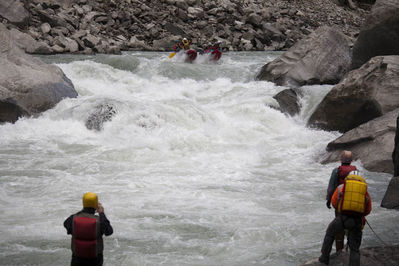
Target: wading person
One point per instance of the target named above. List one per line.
(353, 203)
(337, 178)
(87, 230)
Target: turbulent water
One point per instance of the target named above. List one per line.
(197, 167)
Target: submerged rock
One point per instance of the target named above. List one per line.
(102, 113)
(321, 58)
(364, 94)
(27, 85)
(371, 142)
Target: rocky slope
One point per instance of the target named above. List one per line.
(108, 26)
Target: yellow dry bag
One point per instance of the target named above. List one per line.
(353, 199)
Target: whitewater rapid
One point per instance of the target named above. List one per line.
(197, 167)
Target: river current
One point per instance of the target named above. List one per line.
(197, 167)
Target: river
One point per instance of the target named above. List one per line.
(195, 168)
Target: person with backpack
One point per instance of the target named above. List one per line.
(352, 203)
(337, 178)
(87, 230)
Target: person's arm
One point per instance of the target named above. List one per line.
(332, 184)
(68, 224)
(106, 227)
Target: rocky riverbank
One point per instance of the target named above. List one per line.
(109, 26)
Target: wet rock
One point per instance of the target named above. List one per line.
(371, 142)
(322, 58)
(364, 94)
(27, 85)
(288, 101)
(391, 197)
(371, 256)
(380, 35)
(14, 11)
(102, 113)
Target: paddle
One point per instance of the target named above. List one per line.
(172, 55)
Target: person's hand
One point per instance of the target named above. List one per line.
(328, 204)
(100, 208)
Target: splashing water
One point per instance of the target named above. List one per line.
(196, 167)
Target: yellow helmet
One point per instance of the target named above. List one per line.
(90, 200)
(185, 41)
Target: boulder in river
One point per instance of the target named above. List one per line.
(288, 101)
(364, 94)
(101, 114)
(371, 142)
(380, 34)
(27, 85)
(321, 58)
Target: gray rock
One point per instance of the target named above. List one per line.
(45, 28)
(28, 44)
(101, 114)
(322, 58)
(371, 256)
(395, 154)
(371, 142)
(380, 35)
(27, 85)
(14, 11)
(288, 101)
(364, 94)
(91, 41)
(391, 197)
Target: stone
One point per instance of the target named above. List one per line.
(45, 28)
(28, 44)
(371, 142)
(102, 113)
(90, 41)
(380, 35)
(288, 101)
(395, 154)
(27, 85)
(321, 58)
(391, 197)
(364, 94)
(14, 11)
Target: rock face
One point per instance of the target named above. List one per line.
(14, 11)
(28, 44)
(380, 35)
(363, 94)
(27, 85)
(373, 256)
(391, 198)
(371, 142)
(288, 101)
(322, 58)
(241, 25)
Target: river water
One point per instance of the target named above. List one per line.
(195, 168)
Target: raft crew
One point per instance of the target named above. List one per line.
(337, 178)
(353, 203)
(87, 229)
(183, 44)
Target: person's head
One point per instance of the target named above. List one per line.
(90, 200)
(186, 43)
(217, 44)
(346, 157)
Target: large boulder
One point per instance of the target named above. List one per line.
(14, 11)
(27, 85)
(364, 94)
(380, 34)
(288, 101)
(371, 142)
(28, 44)
(322, 58)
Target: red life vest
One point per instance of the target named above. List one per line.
(343, 171)
(86, 238)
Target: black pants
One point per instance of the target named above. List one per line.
(76, 261)
(338, 225)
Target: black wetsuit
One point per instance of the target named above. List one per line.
(105, 229)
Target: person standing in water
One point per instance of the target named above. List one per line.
(337, 178)
(87, 230)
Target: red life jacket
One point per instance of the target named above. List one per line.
(86, 238)
(343, 171)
